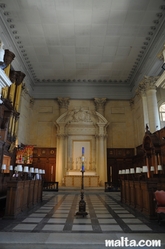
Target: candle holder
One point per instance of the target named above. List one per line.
(26, 171)
(138, 173)
(11, 171)
(132, 173)
(3, 168)
(152, 169)
(31, 173)
(82, 203)
(19, 170)
(145, 172)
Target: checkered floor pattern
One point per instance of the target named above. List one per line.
(57, 214)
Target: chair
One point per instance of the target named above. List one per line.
(160, 205)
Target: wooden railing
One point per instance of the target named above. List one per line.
(109, 187)
(50, 186)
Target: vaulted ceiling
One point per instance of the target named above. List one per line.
(89, 44)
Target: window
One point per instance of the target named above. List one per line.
(162, 112)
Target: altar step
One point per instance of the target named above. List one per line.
(64, 188)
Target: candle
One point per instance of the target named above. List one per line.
(83, 168)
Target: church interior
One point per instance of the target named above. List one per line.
(82, 122)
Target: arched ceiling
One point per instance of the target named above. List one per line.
(101, 42)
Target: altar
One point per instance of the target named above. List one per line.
(74, 179)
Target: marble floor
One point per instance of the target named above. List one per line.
(54, 223)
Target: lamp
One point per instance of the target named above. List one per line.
(11, 171)
(3, 167)
(11, 167)
(145, 169)
(40, 171)
(123, 171)
(119, 172)
(127, 171)
(26, 169)
(36, 170)
(138, 170)
(19, 168)
(32, 170)
(160, 167)
(152, 169)
(132, 171)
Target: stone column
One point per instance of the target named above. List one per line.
(97, 154)
(142, 93)
(100, 105)
(63, 104)
(60, 159)
(152, 106)
(102, 161)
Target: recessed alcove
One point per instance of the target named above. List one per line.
(79, 128)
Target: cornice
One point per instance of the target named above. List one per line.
(149, 46)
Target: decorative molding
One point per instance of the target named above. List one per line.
(81, 122)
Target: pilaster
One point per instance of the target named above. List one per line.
(148, 93)
(63, 104)
(100, 105)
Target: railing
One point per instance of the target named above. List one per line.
(109, 187)
(50, 186)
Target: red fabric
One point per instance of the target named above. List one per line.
(160, 198)
(160, 210)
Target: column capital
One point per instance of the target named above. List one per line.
(63, 102)
(132, 102)
(100, 103)
(161, 54)
(148, 83)
(141, 90)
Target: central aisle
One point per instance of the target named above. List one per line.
(55, 223)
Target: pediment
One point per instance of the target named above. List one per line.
(81, 117)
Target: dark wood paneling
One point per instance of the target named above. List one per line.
(117, 159)
(45, 158)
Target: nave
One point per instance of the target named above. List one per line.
(54, 223)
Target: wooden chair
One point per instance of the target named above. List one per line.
(160, 204)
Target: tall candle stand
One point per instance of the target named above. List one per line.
(82, 203)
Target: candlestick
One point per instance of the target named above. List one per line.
(82, 159)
